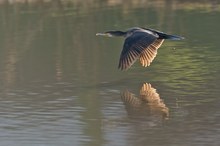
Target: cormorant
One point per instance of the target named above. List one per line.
(140, 43)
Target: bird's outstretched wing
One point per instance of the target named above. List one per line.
(148, 54)
(134, 46)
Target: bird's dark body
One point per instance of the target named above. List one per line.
(140, 43)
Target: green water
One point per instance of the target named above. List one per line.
(59, 82)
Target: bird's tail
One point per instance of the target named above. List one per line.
(170, 37)
(163, 35)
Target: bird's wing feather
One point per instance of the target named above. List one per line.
(149, 94)
(133, 47)
(148, 54)
(130, 99)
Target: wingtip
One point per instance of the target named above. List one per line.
(122, 67)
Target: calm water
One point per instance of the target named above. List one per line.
(59, 83)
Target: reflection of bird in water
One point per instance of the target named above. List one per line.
(140, 43)
(149, 102)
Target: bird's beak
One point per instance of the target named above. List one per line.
(104, 34)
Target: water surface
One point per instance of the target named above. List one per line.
(60, 84)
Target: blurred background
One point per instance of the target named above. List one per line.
(59, 82)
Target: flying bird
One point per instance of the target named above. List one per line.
(140, 43)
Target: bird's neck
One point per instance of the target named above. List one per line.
(117, 33)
